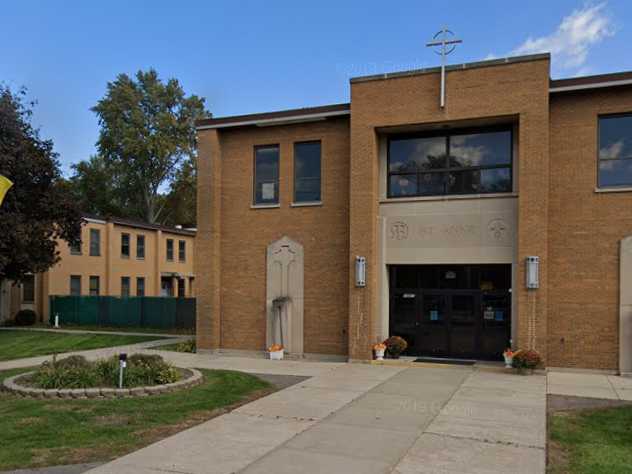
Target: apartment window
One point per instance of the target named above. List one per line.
(75, 285)
(140, 286)
(170, 250)
(181, 288)
(307, 172)
(461, 162)
(615, 151)
(95, 242)
(182, 250)
(28, 289)
(125, 245)
(140, 247)
(94, 286)
(266, 182)
(75, 249)
(125, 287)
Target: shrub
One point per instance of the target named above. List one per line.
(25, 317)
(526, 359)
(395, 345)
(187, 346)
(77, 372)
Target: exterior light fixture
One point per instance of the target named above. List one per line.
(532, 272)
(360, 272)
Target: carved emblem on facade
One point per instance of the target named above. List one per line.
(497, 229)
(399, 230)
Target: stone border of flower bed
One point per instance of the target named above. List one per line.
(10, 385)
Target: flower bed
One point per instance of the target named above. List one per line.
(75, 377)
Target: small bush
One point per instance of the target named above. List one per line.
(395, 345)
(77, 372)
(25, 317)
(526, 359)
(187, 346)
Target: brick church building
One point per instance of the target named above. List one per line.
(502, 218)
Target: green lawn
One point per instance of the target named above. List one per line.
(20, 344)
(37, 432)
(178, 331)
(591, 441)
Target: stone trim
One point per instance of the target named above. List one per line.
(194, 378)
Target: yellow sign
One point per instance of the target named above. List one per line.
(5, 184)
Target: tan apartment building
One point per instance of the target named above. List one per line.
(117, 257)
(502, 218)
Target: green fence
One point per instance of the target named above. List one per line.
(148, 312)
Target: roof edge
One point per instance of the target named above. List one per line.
(453, 67)
(277, 117)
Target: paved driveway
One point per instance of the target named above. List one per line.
(357, 418)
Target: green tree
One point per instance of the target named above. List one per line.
(147, 135)
(37, 210)
(180, 202)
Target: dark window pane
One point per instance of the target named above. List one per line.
(615, 173)
(125, 287)
(95, 242)
(403, 185)
(412, 154)
(140, 246)
(140, 286)
(430, 184)
(125, 245)
(495, 180)
(267, 175)
(182, 250)
(406, 276)
(94, 286)
(169, 249)
(307, 172)
(480, 149)
(75, 285)
(28, 289)
(464, 182)
(75, 249)
(615, 138)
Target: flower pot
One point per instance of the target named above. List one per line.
(508, 361)
(276, 355)
(379, 354)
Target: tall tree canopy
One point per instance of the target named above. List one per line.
(146, 149)
(37, 209)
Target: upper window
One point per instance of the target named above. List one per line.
(28, 289)
(182, 250)
(266, 182)
(140, 247)
(307, 172)
(170, 249)
(615, 151)
(125, 245)
(454, 163)
(95, 242)
(75, 249)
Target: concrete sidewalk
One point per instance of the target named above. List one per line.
(575, 384)
(360, 418)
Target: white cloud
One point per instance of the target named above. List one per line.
(570, 43)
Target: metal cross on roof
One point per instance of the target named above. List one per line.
(447, 42)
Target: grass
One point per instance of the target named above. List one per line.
(74, 327)
(36, 433)
(591, 441)
(20, 344)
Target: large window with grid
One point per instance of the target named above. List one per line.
(615, 151)
(307, 172)
(459, 162)
(266, 179)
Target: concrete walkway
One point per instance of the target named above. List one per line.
(358, 418)
(607, 387)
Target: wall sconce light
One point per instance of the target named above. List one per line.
(532, 272)
(360, 272)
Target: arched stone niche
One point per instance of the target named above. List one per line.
(625, 307)
(284, 285)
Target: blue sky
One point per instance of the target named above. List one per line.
(254, 56)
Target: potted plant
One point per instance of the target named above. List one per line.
(395, 345)
(379, 349)
(526, 360)
(508, 356)
(276, 352)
